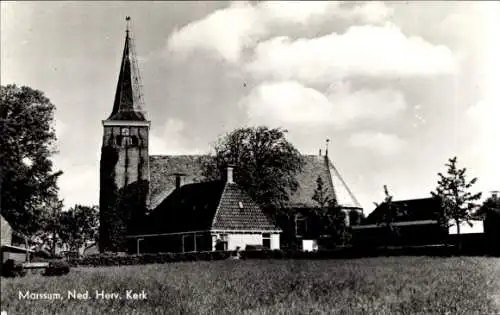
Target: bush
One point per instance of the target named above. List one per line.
(57, 268)
(12, 269)
(110, 259)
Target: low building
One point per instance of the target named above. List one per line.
(206, 216)
(8, 250)
(6, 232)
(416, 224)
(295, 227)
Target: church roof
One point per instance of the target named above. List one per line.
(162, 185)
(213, 205)
(128, 99)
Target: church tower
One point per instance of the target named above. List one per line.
(124, 169)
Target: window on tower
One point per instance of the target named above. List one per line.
(135, 140)
(118, 140)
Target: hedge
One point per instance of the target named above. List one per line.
(11, 269)
(57, 268)
(111, 259)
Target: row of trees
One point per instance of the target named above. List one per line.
(29, 198)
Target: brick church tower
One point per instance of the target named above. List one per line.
(124, 169)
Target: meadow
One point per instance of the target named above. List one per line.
(386, 285)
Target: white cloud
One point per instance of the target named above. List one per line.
(378, 142)
(241, 25)
(363, 50)
(371, 12)
(225, 31)
(75, 181)
(300, 12)
(60, 128)
(289, 102)
(170, 140)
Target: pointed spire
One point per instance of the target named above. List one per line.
(128, 98)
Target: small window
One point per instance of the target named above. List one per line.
(134, 140)
(300, 225)
(118, 140)
(240, 204)
(266, 240)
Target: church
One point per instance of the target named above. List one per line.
(162, 203)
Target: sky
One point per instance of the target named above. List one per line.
(398, 87)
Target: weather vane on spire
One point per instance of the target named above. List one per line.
(128, 23)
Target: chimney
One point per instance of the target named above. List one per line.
(229, 174)
(319, 152)
(178, 180)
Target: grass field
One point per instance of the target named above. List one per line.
(398, 285)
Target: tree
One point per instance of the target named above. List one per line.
(27, 180)
(453, 192)
(79, 226)
(321, 193)
(330, 217)
(389, 214)
(265, 163)
(49, 237)
(490, 211)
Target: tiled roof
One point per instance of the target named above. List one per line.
(208, 205)
(411, 209)
(313, 167)
(161, 184)
(237, 211)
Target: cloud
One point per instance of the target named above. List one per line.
(229, 31)
(378, 142)
(75, 181)
(225, 32)
(363, 50)
(370, 12)
(289, 102)
(170, 140)
(60, 128)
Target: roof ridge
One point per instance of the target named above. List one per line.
(330, 179)
(214, 220)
